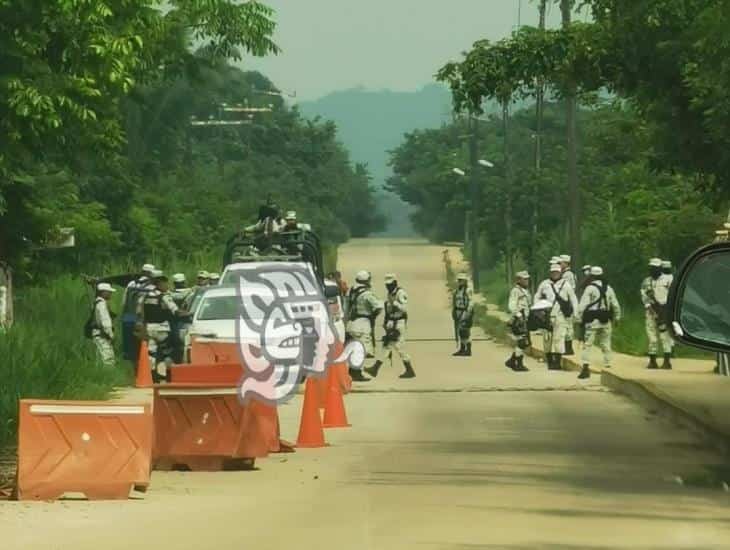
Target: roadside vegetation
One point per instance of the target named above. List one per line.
(97, 105)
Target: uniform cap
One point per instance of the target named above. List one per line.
(523, 275)
(555, 260)
(214, 276)
(147, 268)
(105, 287)
(462, 277)
(655, 262)
(362, 276)
(556, 268)
(291, 215)
(565, 258)
(586, 268)
(203, 275)
(596, 271)
(178, 278)
(666, 264)
(390, 278)
(158, 274)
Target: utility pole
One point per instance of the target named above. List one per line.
(474, 199)
(573, 185)
(538, 158)
(509, 254)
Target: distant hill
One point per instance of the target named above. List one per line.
(373, 122)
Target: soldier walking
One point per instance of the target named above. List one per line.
(395, 324)
(462, 313)
(363, 308)
(654, 295)
(519, 310)
(561, 295)
(598, 310)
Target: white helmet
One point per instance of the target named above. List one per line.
(362, 276)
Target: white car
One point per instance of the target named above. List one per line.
(216, 319)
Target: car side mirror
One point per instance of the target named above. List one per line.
(699, 301)
(331, 290)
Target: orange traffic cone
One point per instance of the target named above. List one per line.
(311, 433)
(322, 385)
(144, 371)
(334, 411)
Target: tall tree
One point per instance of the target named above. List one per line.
(571, 107)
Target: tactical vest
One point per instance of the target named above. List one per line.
(154, 311)
(352, 302)
(134, 293)
(391, 313)
(179, 295)
(461, 299)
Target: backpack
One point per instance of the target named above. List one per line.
(603, 315)
(90, 323)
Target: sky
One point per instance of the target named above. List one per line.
(331, 45)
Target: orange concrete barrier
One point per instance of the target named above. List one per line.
(212, 373)
(334, 412)
(205, 353)
(144, 370)
(100, 449)
(311, 433)
(204, 427)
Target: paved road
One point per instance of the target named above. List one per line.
(519, 462)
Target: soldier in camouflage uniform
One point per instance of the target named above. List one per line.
(396, 322)
(519, 310)
(570, 278)
(363, 308)
(462, 313)
(654, 296)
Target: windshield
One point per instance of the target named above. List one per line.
(218, 308)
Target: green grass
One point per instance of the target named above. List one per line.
(45, 355)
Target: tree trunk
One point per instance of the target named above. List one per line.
(475, 202)
(508, 206)
(540, 108)
(574, 206)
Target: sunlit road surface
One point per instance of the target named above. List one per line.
(495, 460)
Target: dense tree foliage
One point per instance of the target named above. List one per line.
(632, 211)
(95, 105)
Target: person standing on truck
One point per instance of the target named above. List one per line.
(102, 330)
(462, 314)
(654, 296)
(396, 322)
(561, 295)
(518, 306)
(598, 310)
(363, 308)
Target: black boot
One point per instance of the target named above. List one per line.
(467, 353)
(585, 372)
(357, 376)
(652, 362)
(409, 373)
(373, 371)
(569, 347)
(557, 362)
(461, 351)
(667, 364)
(521, 364)
(511, 363)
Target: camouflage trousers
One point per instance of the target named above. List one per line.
(599, 334)
(655, 334)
